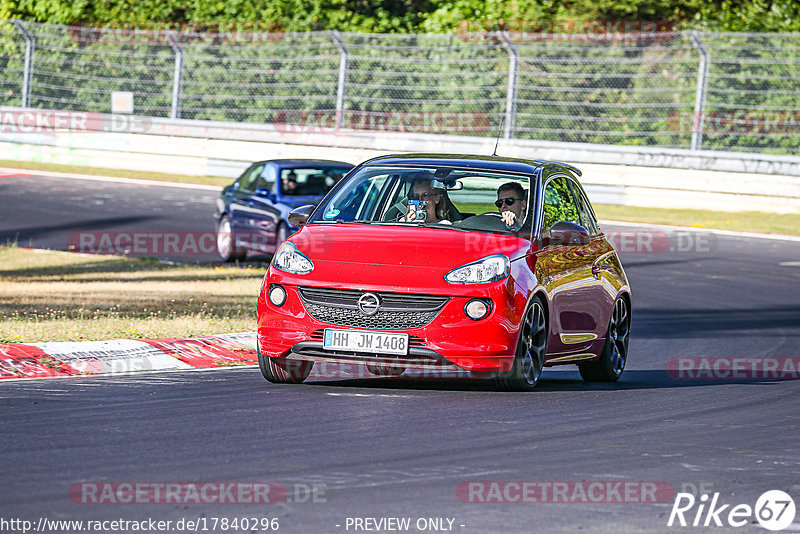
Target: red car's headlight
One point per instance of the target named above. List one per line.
(489, 269)
(288, 259)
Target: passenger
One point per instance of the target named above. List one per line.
(512, 205)
(431, 200)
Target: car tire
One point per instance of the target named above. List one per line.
(531, 349)
(283, 371)
(386, 370)
(226, 242)
(609, 366)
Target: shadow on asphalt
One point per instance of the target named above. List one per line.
(550, 381)
(84, 225)
(687, 323)
(629, 264)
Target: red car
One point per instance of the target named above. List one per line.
(491, 265)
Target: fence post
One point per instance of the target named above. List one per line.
(177, 77)
(511, 94)
(702, 86)
(341, 86)
(27, 69)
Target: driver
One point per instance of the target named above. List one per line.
(511, 203)
(290, 183)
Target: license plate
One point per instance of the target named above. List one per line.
(360, 341)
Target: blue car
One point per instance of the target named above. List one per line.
(252, 212)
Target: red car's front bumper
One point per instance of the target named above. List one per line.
(450, 341)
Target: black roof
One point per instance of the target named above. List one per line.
(303, 162)
(495, 163)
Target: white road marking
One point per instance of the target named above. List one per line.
(384, 477)
(118, 180)
(367, 395)
(133, 374)
(779, 237)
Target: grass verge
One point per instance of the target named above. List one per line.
(743, 221)
(60, 296)
(117, 173)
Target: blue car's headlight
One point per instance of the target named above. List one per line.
(289, 259)
(489, 269)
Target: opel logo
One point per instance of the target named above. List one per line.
(369, 303)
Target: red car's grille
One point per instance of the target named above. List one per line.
(396, 311)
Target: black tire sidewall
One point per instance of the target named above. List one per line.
(601, 370)
(514, 379)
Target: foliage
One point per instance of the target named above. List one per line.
(415, 16)
(431, 59)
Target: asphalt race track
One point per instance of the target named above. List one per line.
(397, 448)
(49, 212)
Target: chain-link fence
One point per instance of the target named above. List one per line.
(698, 90)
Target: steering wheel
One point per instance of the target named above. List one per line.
(485, 221)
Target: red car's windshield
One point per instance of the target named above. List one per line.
(465, 199)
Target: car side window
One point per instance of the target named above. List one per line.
(248, 181)
(585, 211)
(559, 204)
(265, 179)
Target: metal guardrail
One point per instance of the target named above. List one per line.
(103, 136)
(691, 90)
(624, 175)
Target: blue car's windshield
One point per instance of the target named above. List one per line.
(465, 199)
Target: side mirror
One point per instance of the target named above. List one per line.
(266, 193)
(567, 234)
(299, 216)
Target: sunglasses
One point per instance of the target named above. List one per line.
(508, 201)
(421, 196)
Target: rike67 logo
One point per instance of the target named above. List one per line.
(774, 510)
